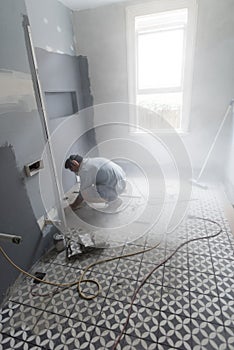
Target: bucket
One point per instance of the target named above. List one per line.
(59, 242)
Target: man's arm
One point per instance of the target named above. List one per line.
(79, 199)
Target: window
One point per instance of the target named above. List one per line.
(160, 50)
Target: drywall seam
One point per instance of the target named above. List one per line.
(16, 91)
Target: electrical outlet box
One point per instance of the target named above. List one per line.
(33, 168)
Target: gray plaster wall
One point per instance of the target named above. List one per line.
(22, 141)
(21, 124)
(9, 31)
(60, 70)
(62, 73)
(101, 36)
(51, 25)
(213, 84)
(16, 217)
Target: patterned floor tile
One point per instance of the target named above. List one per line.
(108, 268)
(230, 337)
(174, 243)
(156, 277)
(61, 259)
(178, 261)
(199, 248)
(175, 331)
(200, 263)
(165, 347)
(26, 295)
(175, 278)
(202, 283)
(154, 256)
(230, 235)
(75, 335)
(208, 336)
(48, 329)
(7, 312)
(149, 296)
(224, 267)
(43, 266)
(54, 273)
(109, 252)
(84, 260)
(227, 307)
(22, 322)
(186, 304)
(225, 286)
(63, 302)
(206, 307)
(103, 339)
(128, 269)
(122, 289)
(87, 311)
(183, 248)
(181, 232)
(196, 228)
(103, 280)
(132, 343)
(10, 343)
(143, 323)
(113, 314)
(72, 275)
(175, 301)
(129, 249)
(222, 239)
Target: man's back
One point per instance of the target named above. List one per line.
(102, 173)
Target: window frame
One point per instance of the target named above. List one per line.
(134, 11)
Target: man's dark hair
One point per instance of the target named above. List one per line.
(76, 157)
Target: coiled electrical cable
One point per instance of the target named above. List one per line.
(83, 280)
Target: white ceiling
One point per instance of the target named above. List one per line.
(87, 4)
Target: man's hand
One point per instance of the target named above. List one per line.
(75, 206)
(77, 203)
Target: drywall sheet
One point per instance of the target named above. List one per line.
(61, 73)
(16, 91)
(16, 217)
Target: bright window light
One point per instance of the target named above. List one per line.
(160, 59)
(167, 106)
(160, 47)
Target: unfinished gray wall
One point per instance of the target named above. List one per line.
(63, 74)
(213, 84)
(51, 24)
(16, 217)
(20, 121)
(101, 36)
(21, 142)
(60, 71)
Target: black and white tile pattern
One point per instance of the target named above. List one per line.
(187, 303)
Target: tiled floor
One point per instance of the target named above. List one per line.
(188, 303)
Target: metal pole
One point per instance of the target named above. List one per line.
(215, 139)
(42, 111)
